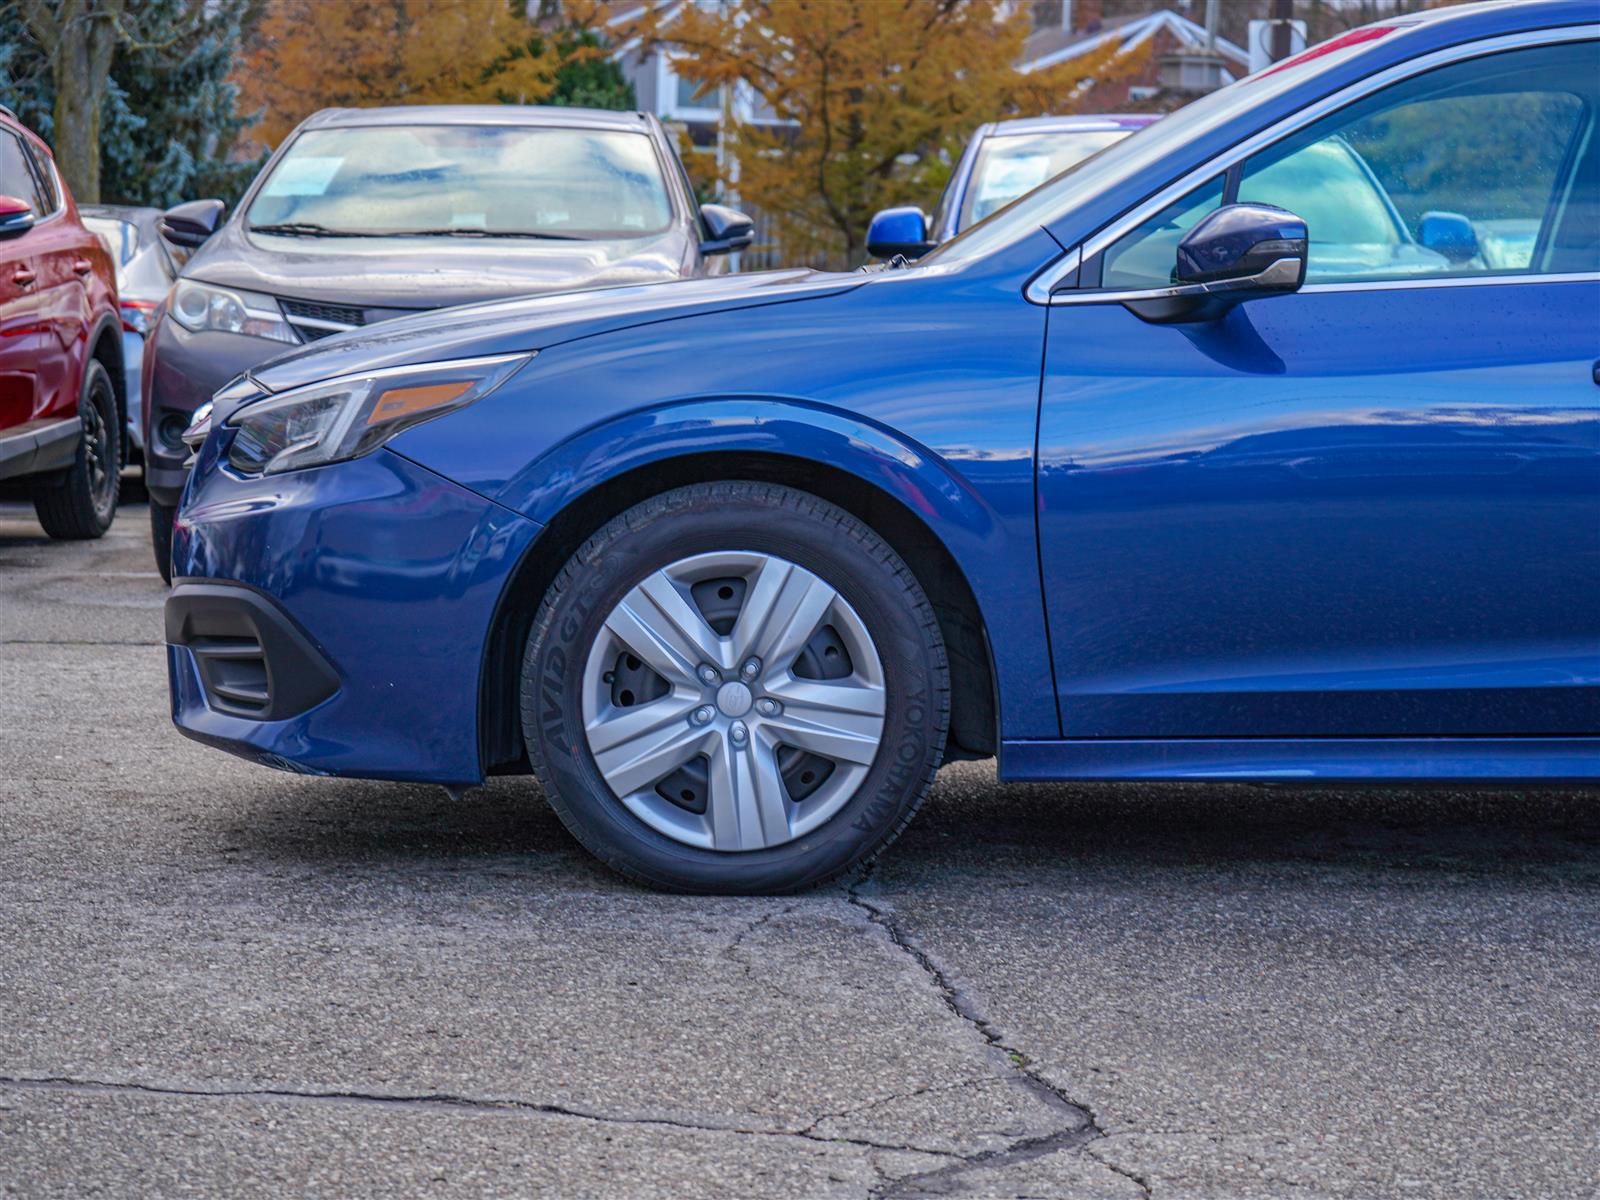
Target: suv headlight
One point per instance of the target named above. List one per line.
(203, 306)
(354, 414)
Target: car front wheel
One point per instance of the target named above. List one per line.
(81, 501)
(735, 687)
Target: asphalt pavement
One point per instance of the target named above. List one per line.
(218, 980)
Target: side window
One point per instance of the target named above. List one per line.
(45, 174)
(1489, 165)
(1456, 172)
(1147, 256)
(16, 174)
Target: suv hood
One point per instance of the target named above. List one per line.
(537, 322)
(429, 272)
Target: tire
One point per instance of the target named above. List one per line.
(161, 518)
(81, 502)
(876, 643)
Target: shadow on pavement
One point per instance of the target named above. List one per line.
(970, 819)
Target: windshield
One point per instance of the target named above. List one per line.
(1130, 156)
(1333, 190)
(1010, 164)
(121, 238)
(470, 180)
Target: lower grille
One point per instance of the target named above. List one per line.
(234, 673)
(253, 660)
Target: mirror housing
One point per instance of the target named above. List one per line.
(1238, 252)
(188, 225)
(728, 229)
(16, 217)
(899, 231)
(1449, 234)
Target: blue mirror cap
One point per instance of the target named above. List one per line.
(1450, 233)
(898, 231)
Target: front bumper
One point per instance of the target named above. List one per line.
(185, 369)
(343, 613)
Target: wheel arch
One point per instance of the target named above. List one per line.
(105, 347)
(974, 717)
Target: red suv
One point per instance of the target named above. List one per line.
(62, 411)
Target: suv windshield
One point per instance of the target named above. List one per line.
(121, 238)
(1010, 164)
(1127, 158)
(465, 180)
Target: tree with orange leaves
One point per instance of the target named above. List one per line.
(878, 97)
(308, 54)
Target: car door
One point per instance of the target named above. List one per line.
(1372, 507)
(20, 326)
(63, 253)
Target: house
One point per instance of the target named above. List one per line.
(677, 100)
(1183, 61)
(1178, 67)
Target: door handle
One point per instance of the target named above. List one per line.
(1597, 372)
(81, 267)
(22, 277)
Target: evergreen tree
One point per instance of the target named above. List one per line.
(167, 121)
(170, 124)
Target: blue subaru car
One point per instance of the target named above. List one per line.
(1263, 445)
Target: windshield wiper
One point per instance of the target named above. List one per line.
(489, 233)
(309, 229)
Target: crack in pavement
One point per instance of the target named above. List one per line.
(1082, 1126)
(731, 952)
(432, 1102)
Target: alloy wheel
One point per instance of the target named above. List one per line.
(97, 456)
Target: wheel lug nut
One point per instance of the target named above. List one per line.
(739, 733)
(708, 675)
(768, 707)
(703, 714)
(751, 668)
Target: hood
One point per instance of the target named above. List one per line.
(537, 322)
(429, 272)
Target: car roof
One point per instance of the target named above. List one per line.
(132, 213)
(1079, 121)
(478, 114)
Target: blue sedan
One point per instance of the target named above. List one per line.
(1179, 467)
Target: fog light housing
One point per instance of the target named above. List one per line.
(170, 430)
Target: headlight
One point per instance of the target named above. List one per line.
(202, 306)
(354, 414)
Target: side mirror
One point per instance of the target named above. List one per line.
(899, 231)
(1449, 234)
(1239, 252)
(728, 229)
(187, 226)
(16, 217)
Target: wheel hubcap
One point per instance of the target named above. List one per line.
(733, 701)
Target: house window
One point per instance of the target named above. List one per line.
(685, 96)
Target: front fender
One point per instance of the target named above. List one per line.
(772, 425)
(996, 555)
